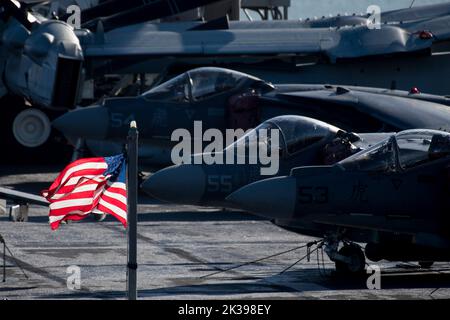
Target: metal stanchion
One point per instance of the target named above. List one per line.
(132, 185)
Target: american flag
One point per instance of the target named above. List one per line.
(90, 185)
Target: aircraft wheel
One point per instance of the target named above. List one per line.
(27, 136)
(357, 260)
(426, 264)
(31, 128)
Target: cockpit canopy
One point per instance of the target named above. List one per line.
(401, 151)
(201, 83)
(295, 134)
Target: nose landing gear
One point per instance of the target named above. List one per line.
(349, 259)
(354, 261)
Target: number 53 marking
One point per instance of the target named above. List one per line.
(317, 195)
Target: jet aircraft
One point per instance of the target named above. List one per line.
(222, 99)
(302, 141)
(394, 196)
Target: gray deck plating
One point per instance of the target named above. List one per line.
(177, 245)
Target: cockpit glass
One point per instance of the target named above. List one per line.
(295, 134)
(299, 133)
(417, 147)
(207, 82)
(260, 137)
(378, 158)
(413, 147)
(198, 84)
(174, 90)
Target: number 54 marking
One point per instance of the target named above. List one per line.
(318, 195)
(119, 119)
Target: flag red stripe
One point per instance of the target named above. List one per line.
(86, 181)
(107, 210)
(82, 188)
(81, 174)
(120, 191)
(69, 210)
(73, 217)
(70, 166)
(78, 195)
(114, 202)
(73, 194)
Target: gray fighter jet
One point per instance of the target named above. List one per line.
(302, 141)
(222, 99)
(393, 196)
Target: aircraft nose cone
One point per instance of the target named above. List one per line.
(272, 198)
(184, 184)
(90, 123)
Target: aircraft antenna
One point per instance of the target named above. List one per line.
(412, 3)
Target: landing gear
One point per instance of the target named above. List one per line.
(349, 259)
(356, 261)
(31, 128)
(27, 136)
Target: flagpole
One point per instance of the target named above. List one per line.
(132, 189)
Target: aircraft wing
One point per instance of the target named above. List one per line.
(210, 42)
(402, 113)
(22, 197)
(412, 17)
(348, 42)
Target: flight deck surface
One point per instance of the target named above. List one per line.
(178, 246)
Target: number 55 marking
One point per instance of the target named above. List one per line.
(218, 183)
